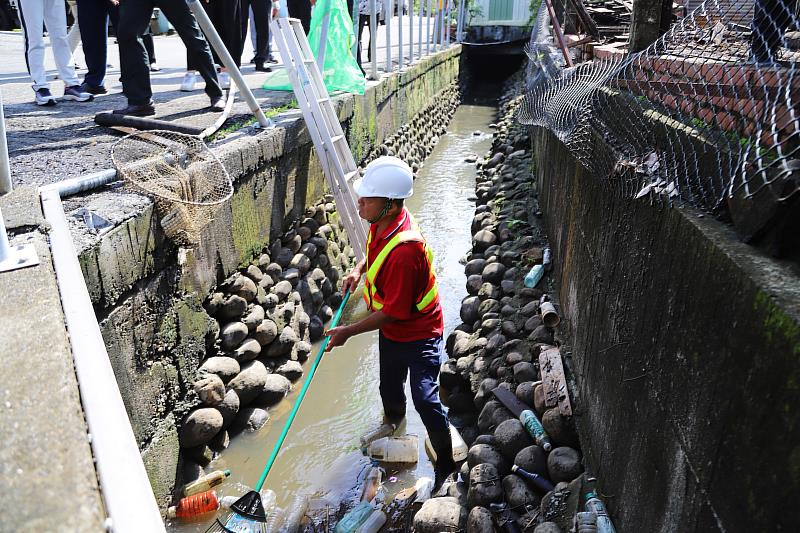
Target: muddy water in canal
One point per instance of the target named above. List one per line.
(343, 401)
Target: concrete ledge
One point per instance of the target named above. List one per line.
(685, 347)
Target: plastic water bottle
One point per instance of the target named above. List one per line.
(195, 505)
(371, 484)
(268, 500)
(533, 276)
(295, 514)
(373, 523)
(395, 449)
(534, 427)
(585, 522)
(356, 516)
(595, 505)
(206, 482)
(546, 259)
(384, 430)
(535, 480)
(274, 520)
(460, 449)
(423, 486)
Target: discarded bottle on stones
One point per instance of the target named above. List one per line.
(547, 260)
(295, 513)
(206, 482)
(194, 505)
(585, 522)
(274, 520)
(373, 523)
(423, 486)
(505, 518)
(395, 449)
(356, 516)
(371, 484)
(460, 449)
(595, 505)
(533, 276)
(549, 314)
(536, 481)
(384, 430)
(534, 427)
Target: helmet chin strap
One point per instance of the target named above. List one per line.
(383, 212)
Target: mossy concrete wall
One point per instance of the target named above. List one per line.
(685, 345)
(148, 293)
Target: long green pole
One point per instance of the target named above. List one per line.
(300, 397)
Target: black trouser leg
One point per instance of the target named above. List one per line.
(197, 48)
(147, 39)
(133, 20)
(261, 14)
(300, 9)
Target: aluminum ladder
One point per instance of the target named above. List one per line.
(323, 125)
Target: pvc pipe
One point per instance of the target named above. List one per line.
(213, 38)
(124, 483)
(5, 167)
(80, 184)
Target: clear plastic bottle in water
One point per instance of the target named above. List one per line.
(295, 513)
(268, 500)
(356, 516)
(274, 520)
(460, 449)
(424, 486)
(373, 523)
(533, 276)
(403, 449)
(372, 483)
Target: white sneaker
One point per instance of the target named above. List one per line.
(43, 97)
(189, 81)
(224, 80)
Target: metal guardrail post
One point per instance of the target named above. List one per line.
(400, 5)
(214, 40)
(430, 8)
(5, 166)
(446, 25)
(419, 28)
(373, 39)
(460, 25)
(410, 31)
(387, 17)
(354, 17)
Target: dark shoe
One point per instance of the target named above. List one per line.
(217, 104)
(444, 466)
(261, 67)
(77, 94)
(93, 89)
(142, 110)
(271, 59)
(442, 475)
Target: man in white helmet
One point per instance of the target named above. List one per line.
(400, 291)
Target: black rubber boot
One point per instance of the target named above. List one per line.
(445, 466)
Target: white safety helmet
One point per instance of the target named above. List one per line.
(386, 177)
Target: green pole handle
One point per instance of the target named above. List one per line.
(300, 397)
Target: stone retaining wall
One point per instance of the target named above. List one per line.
(164, 310)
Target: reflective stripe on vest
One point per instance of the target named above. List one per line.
(431, 293)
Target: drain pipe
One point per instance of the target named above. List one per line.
(124, 483)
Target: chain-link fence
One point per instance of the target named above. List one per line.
(708, 112)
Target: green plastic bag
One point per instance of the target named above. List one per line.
(340, 72)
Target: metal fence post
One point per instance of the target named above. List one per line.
(5, 166)
(430, 8)
(460, 25)
(400, 5)
(373, 39)
(323, 41)
(387, 17)
(354, 17)
(419, 32)
(446, 25)
(410, 31)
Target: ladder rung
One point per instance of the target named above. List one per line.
(308, 61)
(323, 99)
(337, 138)
(350, 175)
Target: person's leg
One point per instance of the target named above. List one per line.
(230, 28)
(55, 18)
(93, 21)
(147, 40)
(261, 9)
(74, 34)
(31, 18)
(133, 20)
(197, 48)
(393, 372)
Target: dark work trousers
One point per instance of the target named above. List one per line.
(147, 39)
(261, 14)
(300, 9)
(93, 17)
(363, 22)
(134, 17)
(422, 360)
(770, 19)
(226, 16)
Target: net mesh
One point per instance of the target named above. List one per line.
(183, 177)
(707, 112)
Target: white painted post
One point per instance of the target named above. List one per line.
(373, 39)
(5, 247)
(419, 32)
(410, 31)
(446, 25)
(430, 8)
(400, 34)
(5, 166)
(460, 26)
(388, 19)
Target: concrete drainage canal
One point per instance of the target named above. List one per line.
(475, 202)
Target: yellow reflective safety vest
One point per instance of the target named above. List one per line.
(429, 297)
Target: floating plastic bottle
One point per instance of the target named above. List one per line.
(585, 522)
(424, 487)
(194, 505)
(373, 523)
(395, 449)
(295, 513)
(268, 500)
(384, 430)
(372, 484)
(460, 449)
(535, 480)
(595, 505)
(533, 276)
(534, 427)
(206, 482)
(227, 501)
(274, 520)
(356, 516)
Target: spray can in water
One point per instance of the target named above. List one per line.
(538, 482)
(595, 505)
(534, 427)
(533, 276)
(194, 505)
(206, 482)
(384, 430)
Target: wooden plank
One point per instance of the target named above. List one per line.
(554, 381)
(586, 19)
